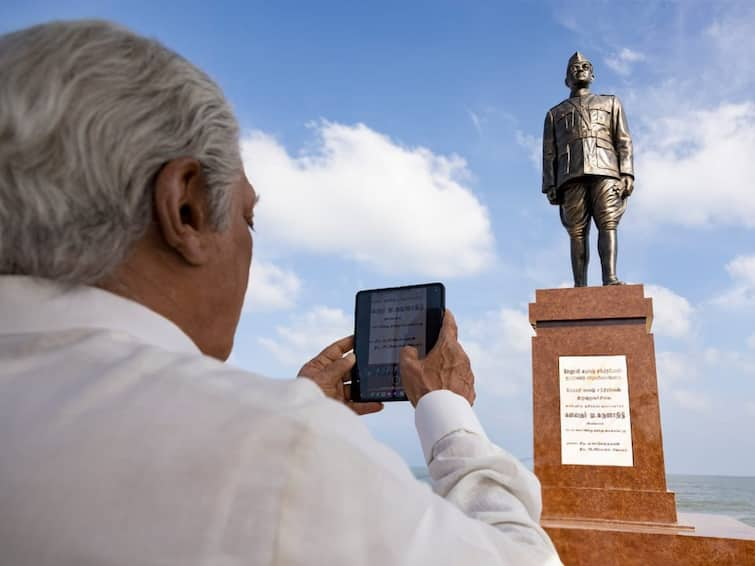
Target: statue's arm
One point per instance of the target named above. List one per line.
(622, 140)
(549, 158)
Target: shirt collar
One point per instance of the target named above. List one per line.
(30, 305)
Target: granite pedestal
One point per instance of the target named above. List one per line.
(611, 514)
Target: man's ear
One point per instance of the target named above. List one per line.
(181, 208)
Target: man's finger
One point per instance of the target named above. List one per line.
(360, 408)
(338, 348)
(340, 369)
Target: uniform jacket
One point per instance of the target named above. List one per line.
(585, 135)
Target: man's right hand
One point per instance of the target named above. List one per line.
(628, 186)
(552, 195)
(446, 366)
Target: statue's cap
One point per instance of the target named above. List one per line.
(577, 58)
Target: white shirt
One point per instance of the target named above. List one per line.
(121, 444)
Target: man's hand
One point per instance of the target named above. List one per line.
(628, 185)
(331, 370)
(552, 195)
(445, 367)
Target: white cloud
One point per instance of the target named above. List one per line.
(307, 335)
(691, 400)
(681, 376)
(687, 377)
(742, 269)
(270, 287)
(693, 168)
(621, 61)
(726, 36)
(742, 293)
(751, 341)
(498, 345)
(729, 363)
(672, 313)
(675, 367)
(534, 147)
(362, 196)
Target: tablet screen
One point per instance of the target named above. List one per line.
(387, 320)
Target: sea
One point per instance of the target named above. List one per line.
(732, 496)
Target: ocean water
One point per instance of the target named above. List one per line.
(718, 495)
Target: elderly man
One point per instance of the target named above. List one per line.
(124, 252)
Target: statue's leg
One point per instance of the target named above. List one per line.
(576, 219)
(608, 249)
(608, 207)
(580, 258)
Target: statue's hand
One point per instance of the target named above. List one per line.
(628, 185)
(552, 195)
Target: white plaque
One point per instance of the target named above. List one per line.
(596, 429)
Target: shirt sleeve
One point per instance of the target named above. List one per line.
(622, 139)
(481, 479)
(483, 509)
(442, 412)
(549, 153)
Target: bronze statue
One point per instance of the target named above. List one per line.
(587, 168)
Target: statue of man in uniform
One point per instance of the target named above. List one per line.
(587, 168)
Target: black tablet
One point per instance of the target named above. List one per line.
(385, 320)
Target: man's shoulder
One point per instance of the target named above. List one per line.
(568, 104)
(207, 376)
(560, 106)
(219, 393)
(145, 382)
(112, 384)
(299, 401)
(606, 101)
(95, 357)
(167, 442)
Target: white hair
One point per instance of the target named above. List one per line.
(89, 114)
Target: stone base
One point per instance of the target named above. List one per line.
(598, 321)
(615, 515)
(698, 540)
(606, 504)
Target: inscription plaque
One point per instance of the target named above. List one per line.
(596, 428)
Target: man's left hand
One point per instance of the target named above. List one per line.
(331, 368)
(628, 185)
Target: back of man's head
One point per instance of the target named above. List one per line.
(89, 114)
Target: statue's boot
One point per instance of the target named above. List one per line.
(580, 256)
(608, 249)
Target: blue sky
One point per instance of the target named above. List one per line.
(398, 142)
